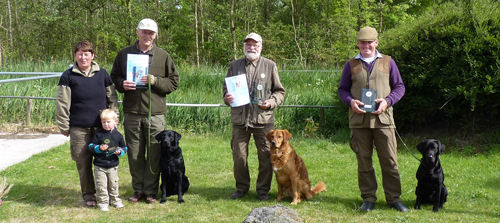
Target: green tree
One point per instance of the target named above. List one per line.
(449, 61)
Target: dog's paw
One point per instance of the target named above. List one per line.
(180, 201)
(295, 201)
(417, 207)
(163, 201)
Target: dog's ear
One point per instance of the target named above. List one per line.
(421, 146)
(269, 134)
(287, 134)
(177, 135)
(441, 146)
(159, 136)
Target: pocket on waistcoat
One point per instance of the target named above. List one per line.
(385, 119)
(237, 116)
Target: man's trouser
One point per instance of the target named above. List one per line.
(239, 145)
(144, 163)
(384, 139)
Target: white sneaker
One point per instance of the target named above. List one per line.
(119, 205)
(104, 209)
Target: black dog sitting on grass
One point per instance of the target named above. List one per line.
(173, 178)
(430, 176)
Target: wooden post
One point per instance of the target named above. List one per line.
(28, 113)
(323, 119)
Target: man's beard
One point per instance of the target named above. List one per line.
(252, 56)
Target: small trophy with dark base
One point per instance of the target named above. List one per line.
(368, 97)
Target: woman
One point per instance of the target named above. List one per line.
(84, 91)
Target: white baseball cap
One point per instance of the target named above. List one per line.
(255, 37)
(148, 24)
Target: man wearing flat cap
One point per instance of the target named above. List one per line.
(370, 85)
(144, 159)
(256, 118)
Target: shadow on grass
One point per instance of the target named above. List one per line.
(214, 193)
(45, 195)
(492, 214)
(224, 193)
(493, 183)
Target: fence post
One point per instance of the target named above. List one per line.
(28, 113)
(322, 109)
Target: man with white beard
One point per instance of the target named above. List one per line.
(255, 118)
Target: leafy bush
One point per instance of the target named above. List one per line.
(449, 60)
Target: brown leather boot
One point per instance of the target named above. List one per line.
(137, 197)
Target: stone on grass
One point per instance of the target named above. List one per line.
(278, 214)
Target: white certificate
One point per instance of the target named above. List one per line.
(238, 87)
(137, 66)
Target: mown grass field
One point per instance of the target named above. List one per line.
(46, 187)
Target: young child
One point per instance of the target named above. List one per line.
(107, 146)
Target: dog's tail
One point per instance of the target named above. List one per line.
(320, 187)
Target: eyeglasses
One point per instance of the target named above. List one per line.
(252, 45)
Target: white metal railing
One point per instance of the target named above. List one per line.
(57, 74)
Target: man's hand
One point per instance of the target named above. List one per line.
(229, 98)
(144, 79)
(356, 104)
(65, 133)
(129, 85)
(382, 106)
(265, 105)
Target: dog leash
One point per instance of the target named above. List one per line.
(149, 126)
(399, 136)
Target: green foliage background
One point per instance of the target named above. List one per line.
(449, 58)
(446, 50)
(323, 30)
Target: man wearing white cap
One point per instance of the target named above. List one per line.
(374, 77)
(255, 118)
(144, 161)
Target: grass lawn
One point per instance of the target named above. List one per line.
(47, 190)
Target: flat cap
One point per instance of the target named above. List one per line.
(367, 34)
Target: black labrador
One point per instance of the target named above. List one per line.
(173, 178)
(430, 176)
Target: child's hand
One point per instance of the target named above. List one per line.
(118, 151)
(103, 147)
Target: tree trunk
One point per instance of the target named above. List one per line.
(233, 29)
(196, 31)
(10, 31)
(295, 35)
(381, 16)
(202, 29)
(0, 53)
(266, 12)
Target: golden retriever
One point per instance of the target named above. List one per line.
(291, 172)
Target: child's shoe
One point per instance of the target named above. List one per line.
(104, 208)
(119, 205)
